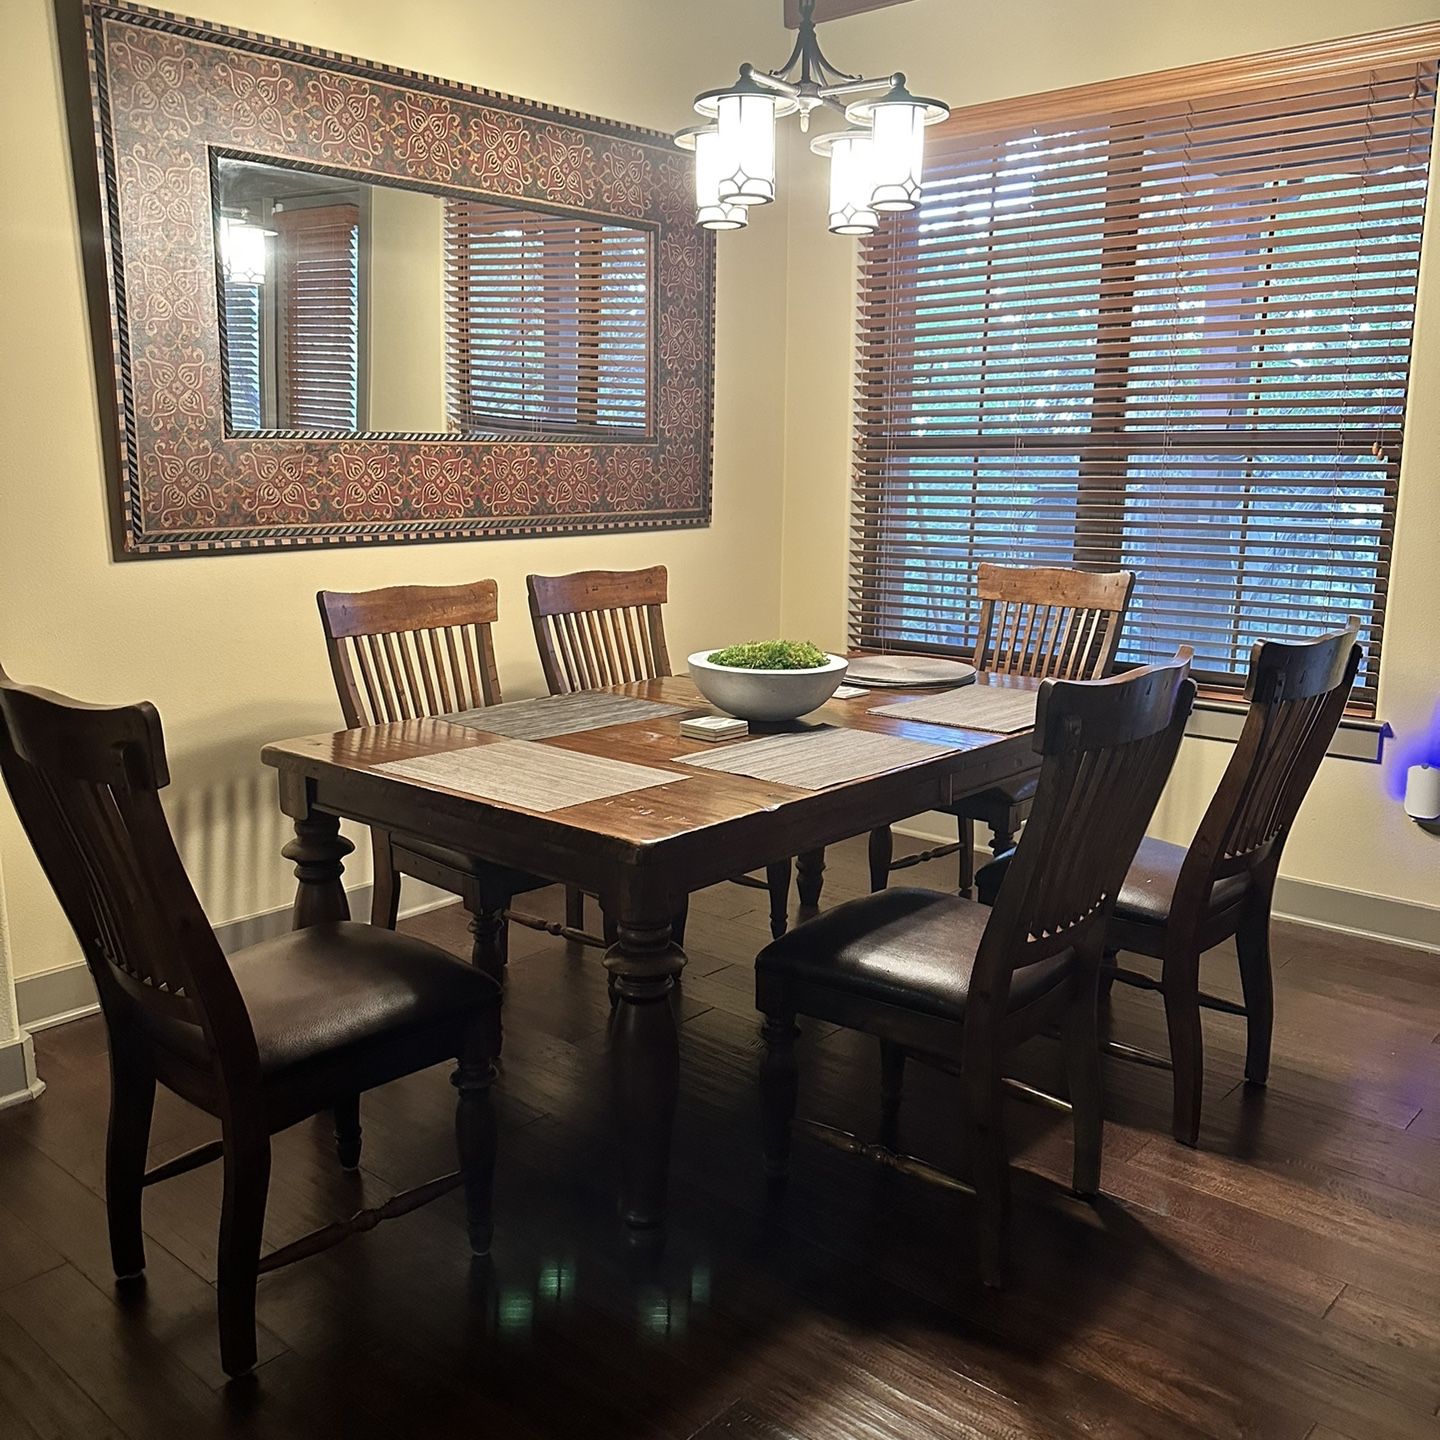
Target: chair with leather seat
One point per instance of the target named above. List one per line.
(281, 1031)
(1179, 902)
(940, 978)
(1034, 621)
(404, 653)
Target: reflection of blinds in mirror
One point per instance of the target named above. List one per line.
(1170, 336)
(547, 322)
(242, 353)
(318, 265)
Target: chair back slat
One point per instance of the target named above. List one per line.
(410, 651)
(1106, 747)
(599, 628)
(1050, 623)
(85, 781)
(1297, 691)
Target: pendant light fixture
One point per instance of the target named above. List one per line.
(897, 124)
(852, 182)
(876, 164)
(711, 213)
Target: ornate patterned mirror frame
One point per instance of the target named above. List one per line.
(153, 97)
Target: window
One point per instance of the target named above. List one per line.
(244, 305)
(1172, 337)
(318, 263)
(548, 322)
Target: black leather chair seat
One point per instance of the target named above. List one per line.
(513, 882)
(902, 946)
(1149, 888)
(315, 991)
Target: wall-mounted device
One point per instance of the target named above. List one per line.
(1422, 793)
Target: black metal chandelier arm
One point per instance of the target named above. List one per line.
(826, 73)
(815, 68)
(796, 56)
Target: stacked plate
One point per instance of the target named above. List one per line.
(908, 672)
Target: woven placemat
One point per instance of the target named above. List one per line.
(997, 708)
(552, 715)
(532, 777)
(816, 759)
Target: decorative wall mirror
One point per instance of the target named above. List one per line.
(335, 302)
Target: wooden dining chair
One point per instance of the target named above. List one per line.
(955, 985)
(1034, 621)
(598, 628)
(280, 1031)
(1179, 902)
(406, 652)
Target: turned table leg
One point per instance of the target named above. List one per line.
(644, 965)
(809, 877)
(319, 851)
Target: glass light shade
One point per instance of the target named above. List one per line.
(898, 143)
(710, 212)
(897, 124)
(851, 181)
(747, 147)
(242, 251)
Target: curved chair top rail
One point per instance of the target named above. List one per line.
(600, 627)
(1044, 622)
(409, 651)
(1298, 690)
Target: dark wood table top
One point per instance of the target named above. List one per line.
(643, 853)
(660, 823)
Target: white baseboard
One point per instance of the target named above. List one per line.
(54, 997)
(1329, 907)
(18, 1081)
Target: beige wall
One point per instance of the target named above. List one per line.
(1350, 835)
(229, 647)
(405, 299)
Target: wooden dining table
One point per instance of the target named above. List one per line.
(642, 852)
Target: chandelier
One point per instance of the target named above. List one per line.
(875, 163)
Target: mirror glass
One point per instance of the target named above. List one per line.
(364, 308)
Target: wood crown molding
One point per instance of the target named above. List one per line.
(834, 9)
(1411, 44)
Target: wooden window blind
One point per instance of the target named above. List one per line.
(548, 322)
(1171, 336)
(318, 264)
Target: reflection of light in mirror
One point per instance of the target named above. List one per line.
(351, 306)
(242, 249)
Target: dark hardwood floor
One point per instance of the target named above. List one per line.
(1282, 1281)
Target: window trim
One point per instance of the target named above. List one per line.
(1283, 70)
(1409, 44)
